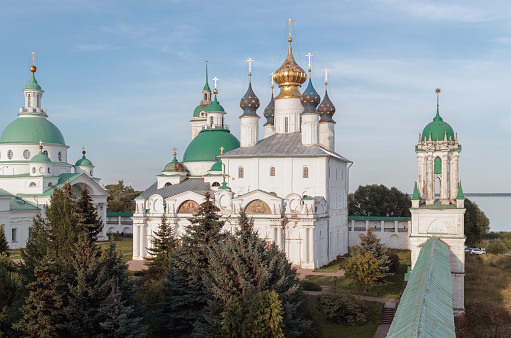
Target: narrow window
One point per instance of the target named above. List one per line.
(286, 124)
(33, 170)
(29, 100)
(272, 171)
(13, 235)
(38, 100)
(9, 154)
(60, 156)
(45, 152)
(305, 172)
(26, 154)
(32, 184)
(211, 121)
(241, 172)
(205, 97)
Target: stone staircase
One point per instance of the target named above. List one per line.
(388, 315)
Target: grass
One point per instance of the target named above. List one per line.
(333, 266)
(392, 287)
(16, 253)
(124, 245)
(361, 330)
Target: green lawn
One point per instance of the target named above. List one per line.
(333, 266)
(362, 330)
(124, 245)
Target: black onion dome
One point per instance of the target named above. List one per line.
(249, 102)
(269, 112)
(326, 109)
(310, 99)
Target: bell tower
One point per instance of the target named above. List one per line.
(438, 203)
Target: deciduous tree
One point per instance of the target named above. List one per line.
(121, 197)
(476, 223)
(362, 268)
(378, 200)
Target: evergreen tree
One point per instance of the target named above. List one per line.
(163, 247)
(4, 245)
(44, 309)
(244, 265)
(185, 298)
(88, 215)
(12, 295)
(118, 319)
(371, 244)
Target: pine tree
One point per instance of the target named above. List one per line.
(37, 246)
(88, 215)
(44, 309)
(371, 244)
(12, 295)
(118, 319)
(185, 298)
(163, 247)
(4, 245)
(244, 265)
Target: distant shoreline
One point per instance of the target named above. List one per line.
(484, 194)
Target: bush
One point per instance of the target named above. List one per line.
(394, 262)
(496, 247)
(310, 286)
(310, 311)
(342, 308)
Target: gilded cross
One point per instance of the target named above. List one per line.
(271, 74)
(215, 79)
(290, 21)
(309, 56)
(33, 55)
(174, 151)
(40, 143)
(250, 66)
(326, 70)
(83, 148)
(221, 150)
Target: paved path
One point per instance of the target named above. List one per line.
(305, 272)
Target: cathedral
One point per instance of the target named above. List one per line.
(33, 161)
(292, 182)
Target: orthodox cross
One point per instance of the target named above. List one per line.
(271, 74)
(40, 145)
(174, 151)
(289, 21)
(309, 56)
(326, 70)
(215, 79)
(33, 55)
(221, 150)
(250, 66)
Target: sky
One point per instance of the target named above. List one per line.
(122, 78)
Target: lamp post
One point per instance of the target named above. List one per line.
(335, 282)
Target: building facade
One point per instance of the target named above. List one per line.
(292, 182)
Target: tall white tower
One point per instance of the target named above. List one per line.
(290, 76)
(440, 215)
(310, 116)
(249, 119)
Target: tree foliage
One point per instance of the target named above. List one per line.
(163, 247)
(341, 308)
(362, 268)
(4, 245)
(121, 197)
(378, 200)
(476, 222)
(12, 295)
(371, 244)
(88, 215)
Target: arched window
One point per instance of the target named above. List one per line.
(26, 154)
(45, 152)
(168, 184)
(29, 100)
(438, 166)
(50, 184)
(286, 124)
(205, 97)
(9, 154)
(272, 171)
(49, 171)
(216, 184)
(38, 100)
(32, 184)
(241, 172)
(211, 120)
(33, 170)
(305, 172)
(60, 156)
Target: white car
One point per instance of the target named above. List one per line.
(477, 251)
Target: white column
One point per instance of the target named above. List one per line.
(249, 131)
(279, 237)
(444, 184)
(431, 181)
(311, 245)
(136, 240)
(143, 240)
(306, 245)
(454, 176)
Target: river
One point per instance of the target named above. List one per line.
(496, 209)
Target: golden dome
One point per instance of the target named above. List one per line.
(289, 77)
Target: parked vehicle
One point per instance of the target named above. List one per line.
(477, 251)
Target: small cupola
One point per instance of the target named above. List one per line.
(84, 165)
(173, 173)
(40, 164)
(326, 108)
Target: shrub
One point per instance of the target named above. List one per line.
(394, 262)
(496, 247)
(341, 308)
(310, 286)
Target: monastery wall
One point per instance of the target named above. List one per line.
(393, 231)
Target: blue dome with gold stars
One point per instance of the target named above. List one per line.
(249, 102)
(269, 112)
(310, 99)
(326, 109)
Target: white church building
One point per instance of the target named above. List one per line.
(292, 182)
(33, 161)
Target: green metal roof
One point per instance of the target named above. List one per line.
(32, 84)
(40, 158)
(206, 145)
(460, 195)
(4, 193)
(425, 309)
(198, 109)
(20, 204)
(215, 106)
(415, 195)
(32, 130)
(63, 178)
(308, 198)
(438, 128)
(122, 214)
(83, 162)
(378, 218)
(216, 167)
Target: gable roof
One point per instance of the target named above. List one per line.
(282, 145)
(190, 184)
(18, 204)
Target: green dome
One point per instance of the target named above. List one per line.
(32, 130)
(206, 145)
(32, 84)
(438, 128)
(40, 158)
(216, 167)
(83, 162)
(175, 166)
(198, 109)
(215, 106)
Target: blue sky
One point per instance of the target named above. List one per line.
(123, 77)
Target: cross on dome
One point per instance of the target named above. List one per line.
(290, 21)
(250, 60)
(33, 54)
(215, 79)
(175, 151)
(221, 150)
(309, 56)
